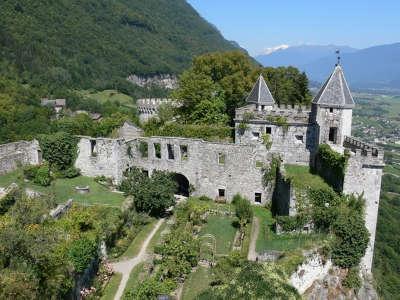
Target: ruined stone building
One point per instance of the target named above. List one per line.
(263, 130)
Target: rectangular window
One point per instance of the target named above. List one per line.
(171, 154)
(157, 150)
(333, 134)
(184, 152)
(221, 193)
(299, 138)
(268, 130)
(143, 148)
(256, 135)
(331, 110)
(257, 197)
(145, 172)
(221, 158)
(92, 147)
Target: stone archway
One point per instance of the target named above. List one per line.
(183, 184)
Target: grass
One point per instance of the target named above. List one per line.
(196, 283)
(111, 288)
(134, 248)
(268, 240)
(223, 230)
(157, 237)
(64, 189)
(303, 179)
(137, 275)
(109, 95)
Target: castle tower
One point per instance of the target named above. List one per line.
(332, 109)
(261, 96)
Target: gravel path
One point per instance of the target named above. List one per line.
(125, 267)
(255, 228)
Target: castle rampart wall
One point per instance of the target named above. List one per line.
(363, 177)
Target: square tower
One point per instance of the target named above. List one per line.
(332, 109)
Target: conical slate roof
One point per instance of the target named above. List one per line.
(335, 92)
(260, 93)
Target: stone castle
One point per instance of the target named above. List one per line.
(221, 170)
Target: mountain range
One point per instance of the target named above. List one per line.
(375, 67)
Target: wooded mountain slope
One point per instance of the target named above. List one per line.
(89, 43)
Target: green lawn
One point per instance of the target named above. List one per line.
(196, 283)
(64, 189)
(302, 178)
(268, 240)
(109, 95)
(223, 230)
(112, 287)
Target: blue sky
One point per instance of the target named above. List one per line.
(257, 24)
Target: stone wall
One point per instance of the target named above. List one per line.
(101, 156)
(363, 176)
(209, 167)
(295, 145)
(19, 153)
(313, 268)
(326, 119)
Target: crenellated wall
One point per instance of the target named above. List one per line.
(148, 108)
(19, 153)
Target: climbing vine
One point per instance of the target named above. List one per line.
(280, 121)
(270, 172)
(331, 166)
(267, 140)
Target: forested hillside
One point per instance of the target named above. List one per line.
(93, 43)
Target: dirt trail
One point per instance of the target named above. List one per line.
(125, 267)
(252, 255)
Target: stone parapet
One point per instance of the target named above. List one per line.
(292, 114)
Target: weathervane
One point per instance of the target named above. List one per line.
(338, 57)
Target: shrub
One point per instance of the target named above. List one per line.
(242, 210)
(81, 253)
(351, 239)
(352, 279)
(30, 171)
(71, 172)
(150, 289)
(205, 198)
(291, 223)
(325, 207)
(43, 176)
(8, 200)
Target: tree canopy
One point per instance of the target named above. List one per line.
(218, 83)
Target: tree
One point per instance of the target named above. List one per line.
(151, 195)
(59, 149)
(242, 209)
(229, 77)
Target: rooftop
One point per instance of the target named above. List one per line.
(335, 92)
(260, 93)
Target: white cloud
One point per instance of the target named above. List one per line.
(270, 50)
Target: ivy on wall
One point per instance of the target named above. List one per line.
(331, 166)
